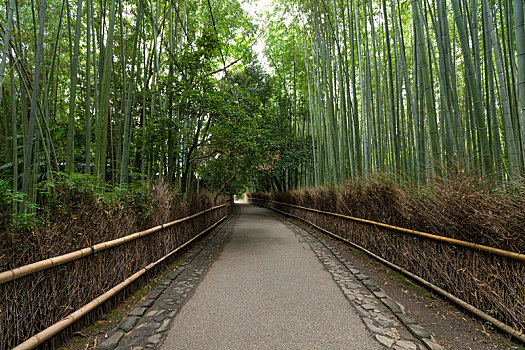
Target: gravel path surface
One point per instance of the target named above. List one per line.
(267, 290)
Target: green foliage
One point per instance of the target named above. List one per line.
(185, 99)
(11, 221)
(68, 195)
(239, 135)
(250, 140)
(350, 91)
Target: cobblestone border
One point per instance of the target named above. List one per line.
(147, 324)
(385, 318)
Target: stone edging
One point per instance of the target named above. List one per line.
(147, 324)
(384, 317)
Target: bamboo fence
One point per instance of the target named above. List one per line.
(465, 271)
(64, 289)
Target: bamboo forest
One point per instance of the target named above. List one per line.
(133, 131)
(173, 90)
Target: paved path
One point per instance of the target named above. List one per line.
(267, 290)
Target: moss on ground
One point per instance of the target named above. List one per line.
(408, 283)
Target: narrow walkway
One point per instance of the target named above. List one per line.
(267, 290)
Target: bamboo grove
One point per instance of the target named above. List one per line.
(127, 90)
(415, 88)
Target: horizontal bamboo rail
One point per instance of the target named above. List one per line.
(453, 241)
(52, 330)
(25, 270)
(472, 309)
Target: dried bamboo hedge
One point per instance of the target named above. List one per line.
(36, 301)
(492, 283)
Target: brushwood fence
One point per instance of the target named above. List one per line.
(490, 279)
(38, 295)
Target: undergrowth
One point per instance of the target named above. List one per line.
(67, 211)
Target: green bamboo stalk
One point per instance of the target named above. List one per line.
(393, 112)
(350, 108)
(104, 110)
(14, 132)
(428, 91)
(491, 102)
(450, 74)
(512, 152)
(5, 52)
(355, 115)
(448, 132)
(519, 30)
(87, 112)
(364, 114)
(29, 135)
(7, 39)
(475, 91)
(124, 171)
(73, 93)
(510, 68)
(413, 114)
